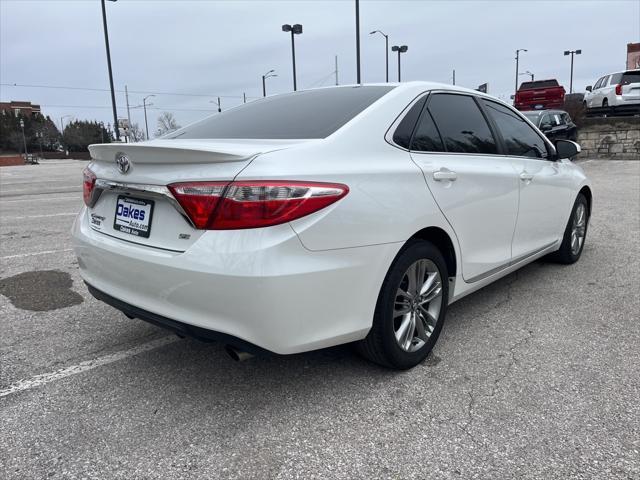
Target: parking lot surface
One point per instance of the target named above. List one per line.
(536, 376)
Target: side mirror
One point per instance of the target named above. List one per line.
(589, 88)
(567, 149)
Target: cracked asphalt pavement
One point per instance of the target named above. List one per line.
(536, 376)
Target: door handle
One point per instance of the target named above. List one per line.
(444, 174)
(526, 177)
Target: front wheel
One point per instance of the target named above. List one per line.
(575, 233)
(411, 308)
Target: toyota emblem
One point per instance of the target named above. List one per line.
(123, 163)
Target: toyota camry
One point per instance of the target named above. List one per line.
(328, 216)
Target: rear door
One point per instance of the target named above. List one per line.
(545, 185)
(476, 189)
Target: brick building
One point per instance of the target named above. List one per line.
(19, 108)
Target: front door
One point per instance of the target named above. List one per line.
(476, 189)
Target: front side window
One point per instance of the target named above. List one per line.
(598, 83)
(519, 138)
(461, 124)
(298, 115)
(605, 81)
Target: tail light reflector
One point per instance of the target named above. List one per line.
(88, 183)
(619, 89)
(253, 204)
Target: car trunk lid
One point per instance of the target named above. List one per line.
(132, 201)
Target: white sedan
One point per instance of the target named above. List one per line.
(327, 216)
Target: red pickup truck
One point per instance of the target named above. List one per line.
(539, 95)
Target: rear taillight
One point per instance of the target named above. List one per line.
(619, 89)
(253, 204)
(88, 182)
(199, 200)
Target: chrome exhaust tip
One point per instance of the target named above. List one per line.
(237, 355)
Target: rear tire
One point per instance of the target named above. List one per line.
(575, 234)
(411, 308)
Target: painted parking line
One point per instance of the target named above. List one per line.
(45, 252)
(44, 378)
(67, 214)
(74, 197)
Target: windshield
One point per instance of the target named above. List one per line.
(297, 115)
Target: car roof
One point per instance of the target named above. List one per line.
(631, 70)
(541, 112)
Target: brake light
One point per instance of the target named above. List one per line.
(619, 89)
(199, 200)
(253, 204)
(88, 183)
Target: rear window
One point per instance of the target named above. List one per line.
(630, 77)
(539, 84)
(297, 115)
(532, 117)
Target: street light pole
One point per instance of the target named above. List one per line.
(386, 50)
(62, 123)
(269, 74)
(113, 94)
(517, 65)
(144, 106)
(572, 52)
(24, 140)
(295, 29)
(399, 49)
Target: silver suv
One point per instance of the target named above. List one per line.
(617, 92)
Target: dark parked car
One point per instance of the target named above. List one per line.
(555, 124)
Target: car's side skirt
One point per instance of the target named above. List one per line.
(466, 288)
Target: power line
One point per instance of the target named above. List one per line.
(61, 87)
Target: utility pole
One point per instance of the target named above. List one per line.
(358, 80)
(113, 93)
(219, 107)
(517, 62)
(244, 97)
(144, 106)
(454, 76)
(126, 94)
(336, 71)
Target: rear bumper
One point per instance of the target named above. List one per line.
(258, 286)
(180, 328)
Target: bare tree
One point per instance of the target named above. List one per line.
(166, 123)
(136, 133)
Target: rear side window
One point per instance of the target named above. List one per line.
(461, 124)
(615, 78)
(630, 77)
(427, 138)
(297, 115)
(519, 138)
(402, 135)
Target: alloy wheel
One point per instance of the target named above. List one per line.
(417, 305)
(578, 228)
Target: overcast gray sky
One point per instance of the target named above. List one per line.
(210, 48)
